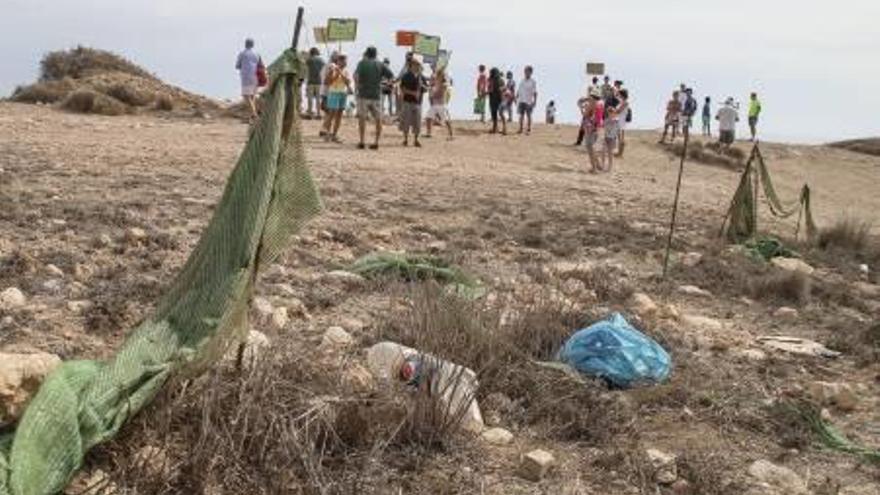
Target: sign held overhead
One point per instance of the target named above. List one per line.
(427, 45)
(342, 29)
(595, 68)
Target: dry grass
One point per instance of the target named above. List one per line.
(711, 153)
(44, 92)
(869, 146)
(786, 287)
(88, 101)
(847, 233)
(130, 96)
(164, 103)
(81, 62)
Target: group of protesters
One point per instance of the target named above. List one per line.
(503, 95)
(605, 113)
(682, 107)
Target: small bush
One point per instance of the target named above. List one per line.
(164, 103)
(88, 101)
(44, 92)
(792, 287)
(130, 96)
(81, 62)
(847, 233)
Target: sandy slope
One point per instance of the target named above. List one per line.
(67, 180)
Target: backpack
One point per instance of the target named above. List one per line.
(629, 114)
(262, 76)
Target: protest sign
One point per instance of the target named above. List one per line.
(595, 68)
(342, 29)
(406, 38)
(428, 46)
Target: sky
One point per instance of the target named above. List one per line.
(810, 61)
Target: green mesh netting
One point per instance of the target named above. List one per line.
(269, 196)
(741, 222)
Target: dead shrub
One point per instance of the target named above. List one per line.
(81, 61)
(707, 472)
(610, 282)
(91, 102)
(790, 287)
(44, 92)
(164, 103)
(847, 233)
(130, 96)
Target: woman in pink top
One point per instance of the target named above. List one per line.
(593, 122)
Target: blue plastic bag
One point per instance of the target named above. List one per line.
(616, 352)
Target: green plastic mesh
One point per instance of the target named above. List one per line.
(742, 218)
(269, 196)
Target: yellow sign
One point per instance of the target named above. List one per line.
(427, 45)
(342, 29)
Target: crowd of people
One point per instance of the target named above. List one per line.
(377, 95)
(682, 106)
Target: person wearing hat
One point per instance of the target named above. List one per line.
(315, 65)
(592, 124)
(246, 64)
(412, 89)
(727, 118)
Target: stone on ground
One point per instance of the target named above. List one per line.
(20, 377)
(698, 322)
(780, 478)
(786, 313)
(54, 270)
(497, 436)
(840, 395)
(12, 298)
(643, 305)
(663, 464)
(691, 259)
(135, 234)
(693, 290)
(336, 338)
(344, 278)
(793, 265)
(535, 465)
(279, 318)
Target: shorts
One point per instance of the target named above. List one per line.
(438, 112)
(410, 117)
(370, 107)
(525, 108)
(248, 89)
(726, 137)
(313, 91)
(336, 101)
(753, 121)
(591, 138)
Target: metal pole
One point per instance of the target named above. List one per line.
(299, 21)
(687, 134)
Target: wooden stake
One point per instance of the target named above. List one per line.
(687, 134)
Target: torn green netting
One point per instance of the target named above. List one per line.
(268, 197)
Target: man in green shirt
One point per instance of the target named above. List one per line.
(315, 65)
(368, 79)
(754, 112)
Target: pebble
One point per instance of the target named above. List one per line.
(643, 305)
(536, 464)
(336, 338)
(693, 290)
(497, 436)
(664, 465)
(54, 270)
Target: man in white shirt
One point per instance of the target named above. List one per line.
(727, 118)
(526, 99)
(247, 63)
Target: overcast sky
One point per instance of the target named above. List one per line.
(810, 61)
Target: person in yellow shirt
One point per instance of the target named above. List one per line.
(754, 112)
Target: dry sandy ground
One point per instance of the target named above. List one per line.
(71, 187)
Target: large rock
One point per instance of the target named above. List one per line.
(535, 465)
(458, 385)
(20, 377)
(344, 278)
(336, 338)
(780, 478)
(793, 265)
(841, 395)
(664, 466)
(12, 298)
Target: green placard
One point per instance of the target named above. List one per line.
(342, 29)
(427, 45)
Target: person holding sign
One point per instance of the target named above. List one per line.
(412, 88)
(368, 77)
(527, 98)
(338, 83)
(315, 65)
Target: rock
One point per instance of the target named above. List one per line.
(698, 322)
(573, 287)
(792, 265)
(841, 395)
(670, 312)
(352, 325)
(497, 436)
(263, 309)
(643, 305)
(297, 308)
(104, 240)
(336, 338)
(870, 291)
(54, 270)
(786, 313)
(254, 345)
(135, 234)
(153, 461)
(796, 345)
(344, 278)
(20, 377)
(535, 465)
(458, 385)
(565, 269)
(665, 471)
(693, 290)
(78, 307)
(12, 298)
(437, 246)
(52, 286)
(781, 478)
(279, 318)
(691, 259)
(95, 482)
(752, 354)
(358, 377)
